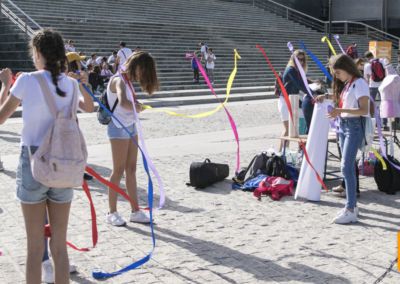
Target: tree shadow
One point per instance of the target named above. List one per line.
(221, 255)
(10, 139)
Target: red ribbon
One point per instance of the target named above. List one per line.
(347, 92)
(286, 97)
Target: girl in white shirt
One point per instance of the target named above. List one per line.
(48, 54)
(139, 67)
(351, 94)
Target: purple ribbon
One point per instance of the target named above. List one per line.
(336, 37)
(145, 152)
(301, 70)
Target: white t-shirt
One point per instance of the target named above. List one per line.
(368, 71)
(124, 54)
(359, 88)
(69, 48)
(210, 65)
(107, 73)
(203, 50)
(36, 115)
(91, 61)
(111, 59)
(98, 60)
(127, 117)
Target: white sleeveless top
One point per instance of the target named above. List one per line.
(127, 117)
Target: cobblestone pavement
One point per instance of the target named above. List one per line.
(215, 235)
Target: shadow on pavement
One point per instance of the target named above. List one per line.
(221, 255)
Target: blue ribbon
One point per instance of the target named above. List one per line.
(320, 65)
(98, 274)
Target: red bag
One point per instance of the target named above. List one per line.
(276, 186)
(378, 72)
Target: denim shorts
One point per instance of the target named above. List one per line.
(114, 132)
(29, 191)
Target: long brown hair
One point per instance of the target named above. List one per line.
(50, 44)
(345, 63)
(142, 64)
(292, 62)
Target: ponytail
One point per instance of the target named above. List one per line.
(50, 44)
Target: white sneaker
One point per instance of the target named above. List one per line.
(345, 217)
(139, 217)
(47, 271)
(356, 210)
(115, 220)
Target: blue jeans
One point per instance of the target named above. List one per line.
(350, 136)
(308, 109)
(374, 92)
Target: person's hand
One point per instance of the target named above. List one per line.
(320, 98)
(334, 112)
(73, 75)
(139, 107)
(83, 77)
(5, 76)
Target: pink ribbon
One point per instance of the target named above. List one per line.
(232, 122)
(336, 37)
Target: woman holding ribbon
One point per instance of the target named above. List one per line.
(48, 54)
(294, 84)
(139, 67)
(351, 95)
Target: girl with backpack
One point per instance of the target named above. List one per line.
(351, 95)
(48, 54)
(139, 67)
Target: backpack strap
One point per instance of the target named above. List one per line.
(48, 96)
(74, 105)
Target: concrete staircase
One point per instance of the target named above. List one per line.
(169, 29)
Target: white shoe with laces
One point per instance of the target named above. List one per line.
(48, 271)
(345, 217)
(115, 220)
(356, 210)
(139, 217)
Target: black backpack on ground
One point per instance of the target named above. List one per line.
(206, 173)
(388, 180)
(276, 167)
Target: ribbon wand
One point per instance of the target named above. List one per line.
(336, 37)
(329, 43)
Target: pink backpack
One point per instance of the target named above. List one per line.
(61, 158)
(276, 186)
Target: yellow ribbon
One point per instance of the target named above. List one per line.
(329, 43)
(204, 114)
(380, 158)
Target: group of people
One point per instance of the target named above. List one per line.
(60, 74)
(354, 80)
(100, 68)
(208, 58)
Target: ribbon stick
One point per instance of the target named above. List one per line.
(286, 97)
(329, 43)
(336, 37)
(320, 65)
(301, 70)
(379, 157)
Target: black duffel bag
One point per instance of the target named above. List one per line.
(206, 173)
(388, 180)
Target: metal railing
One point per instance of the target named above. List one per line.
(13, 17)
(343, 27)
